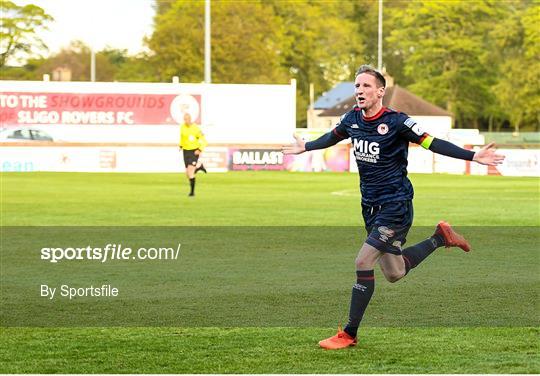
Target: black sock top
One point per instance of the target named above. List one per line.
(365, 275)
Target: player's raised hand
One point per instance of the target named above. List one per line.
(298, 147)
(487, 156)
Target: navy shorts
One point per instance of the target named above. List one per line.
(387, 225)
(190, 159)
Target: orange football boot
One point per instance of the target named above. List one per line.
(452, 238)
(340, 341)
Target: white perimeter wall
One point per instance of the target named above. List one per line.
(518, 162)
(104, 159)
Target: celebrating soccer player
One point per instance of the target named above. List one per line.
(380, 137)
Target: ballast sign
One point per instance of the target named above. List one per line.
(256, 159)
(93, 108)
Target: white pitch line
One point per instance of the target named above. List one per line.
(346, 192)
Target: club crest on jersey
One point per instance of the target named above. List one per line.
(382, 129)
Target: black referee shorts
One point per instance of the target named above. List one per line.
(190, 159)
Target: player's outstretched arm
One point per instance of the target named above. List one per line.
(298, 147)
(488, 156)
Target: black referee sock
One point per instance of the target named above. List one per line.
(361, 295)
(415, 254)
(192, 185)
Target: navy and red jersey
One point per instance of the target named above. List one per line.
(380, 145)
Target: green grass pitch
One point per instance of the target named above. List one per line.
(263, 310)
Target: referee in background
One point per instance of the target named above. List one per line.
(192, 143)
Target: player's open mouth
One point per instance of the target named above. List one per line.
(360, 99)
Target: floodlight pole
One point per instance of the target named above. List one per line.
(92, 65)
(379, 49)
(207, 50)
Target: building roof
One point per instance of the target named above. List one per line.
(337, 94)
(397, 98)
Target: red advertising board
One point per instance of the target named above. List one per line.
(23, 108)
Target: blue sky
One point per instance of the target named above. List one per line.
(98, 23)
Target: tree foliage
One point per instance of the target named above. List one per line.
(469, 57)
(19, 29)
(111, 65)
(517, 90)
(246, 42)
(76, 57)
(443, 44)
(365, 16)
(259, 42)
(478, 59)
(325, 45)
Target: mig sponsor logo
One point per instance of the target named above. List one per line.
(366, 151)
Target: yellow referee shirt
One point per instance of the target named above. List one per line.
(191, 137)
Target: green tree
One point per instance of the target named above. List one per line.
(247, 42)
(19, 28)
(76, 57)
(27, 72)
(129, 68)
(365, 16)
(260, 42)
(162, 6)
(444, 46)
(326, 47)
(111, 65)
(517, 39)
(138, 68)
